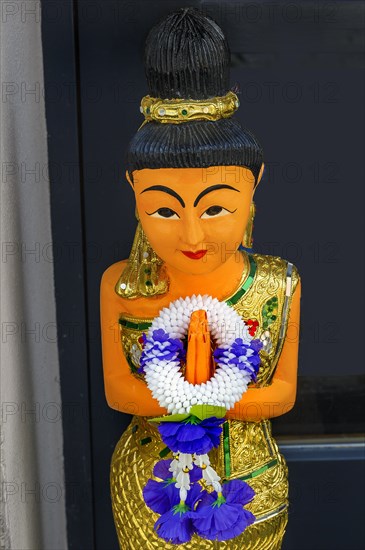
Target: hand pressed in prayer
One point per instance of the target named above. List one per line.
(199, 363)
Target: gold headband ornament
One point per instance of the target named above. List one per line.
(175, 111)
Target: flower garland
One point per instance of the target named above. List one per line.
(195, 424)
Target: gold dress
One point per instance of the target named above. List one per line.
(247, 450)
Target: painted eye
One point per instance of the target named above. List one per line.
(215, 211)
(164, 213)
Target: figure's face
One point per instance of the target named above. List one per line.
(194, 218)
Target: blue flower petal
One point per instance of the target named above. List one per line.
(171, 442)
(195, 494)
(174, 528)
(168, 429)
(159, 496)
(225, 520)
(244, 519)
(195, 474)
(226, 516)
(161, 469)
(192, 438)
(248, 517)
(190, 432)
(199, 446)
(256, 344)
(237, 491)
(240, 349)
(160, 335)
(212, 421)
(203, 523)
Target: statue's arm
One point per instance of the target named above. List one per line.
(278, 398)
(124, 392)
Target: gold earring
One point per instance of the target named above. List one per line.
(145, 273)
(247, 240)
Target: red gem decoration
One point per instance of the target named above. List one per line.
(252, 326)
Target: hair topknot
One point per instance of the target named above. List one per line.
(187, 57)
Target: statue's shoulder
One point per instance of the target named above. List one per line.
(109, 281)
(112, 273)
(278, 268)
(138, 307)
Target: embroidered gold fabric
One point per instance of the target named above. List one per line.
(247, 449)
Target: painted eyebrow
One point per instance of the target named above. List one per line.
(167, 190)
(212, 188)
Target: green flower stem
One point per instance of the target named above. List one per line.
(220, 500)
(181, 508)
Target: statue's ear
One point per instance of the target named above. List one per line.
(129, 178)
(259, 176)
(261, 173)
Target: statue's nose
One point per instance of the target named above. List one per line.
(192, 233)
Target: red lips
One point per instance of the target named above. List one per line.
(194, 255)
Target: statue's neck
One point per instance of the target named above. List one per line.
(219, 283)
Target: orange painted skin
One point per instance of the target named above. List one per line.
(199, 364)
(188, 212)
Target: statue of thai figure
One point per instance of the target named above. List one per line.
(207, 345)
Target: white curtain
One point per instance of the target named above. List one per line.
(32, 479)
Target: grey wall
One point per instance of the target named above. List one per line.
(32, 479)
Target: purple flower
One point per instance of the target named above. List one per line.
(256, 344)
(223, 517)
(219, 354)
(160, 335)
(159, 350)
(161, 470)
(192, 435)
(250, 352)
(173, 527)
(239, 347)
(176, 525)
(237, 491)
(161, 496)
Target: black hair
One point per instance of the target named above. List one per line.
(187, 56)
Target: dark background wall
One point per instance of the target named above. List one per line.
(299, 67)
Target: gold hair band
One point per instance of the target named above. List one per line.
(176, 111)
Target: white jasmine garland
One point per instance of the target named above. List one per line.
(237, 360)
(179, 466)
(164, 377)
